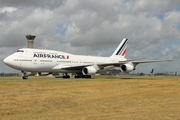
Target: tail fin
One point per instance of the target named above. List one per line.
(121, 49)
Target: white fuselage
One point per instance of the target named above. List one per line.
(38, 60)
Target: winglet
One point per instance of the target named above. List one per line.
(173, 58)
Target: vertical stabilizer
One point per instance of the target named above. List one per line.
(121, 49)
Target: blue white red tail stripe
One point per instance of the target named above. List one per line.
(121, 49)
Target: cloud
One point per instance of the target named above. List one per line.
(91, 27)
(8, 9)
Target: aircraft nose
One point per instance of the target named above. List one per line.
(6, 61)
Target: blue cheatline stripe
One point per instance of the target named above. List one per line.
(122, 47)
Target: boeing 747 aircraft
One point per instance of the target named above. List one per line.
(40, 60)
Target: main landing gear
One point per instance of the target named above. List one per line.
(66, 76)
(24, 75)
(82, 76)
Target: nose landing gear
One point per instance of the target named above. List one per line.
(24, 75)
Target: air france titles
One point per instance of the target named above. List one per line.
(36, 55)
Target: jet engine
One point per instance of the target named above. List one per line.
(90, 70)
(128, 67)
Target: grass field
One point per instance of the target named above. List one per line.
(100, 98)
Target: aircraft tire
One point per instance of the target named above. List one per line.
(24, 77)
(66, 77)
(86, 76)
(77, 76)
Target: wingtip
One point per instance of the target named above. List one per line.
(173, 57)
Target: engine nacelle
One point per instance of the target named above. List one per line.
(128, 67)
(90, 70)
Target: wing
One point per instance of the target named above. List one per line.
(150, 61)
(134, 61)
(102, 65)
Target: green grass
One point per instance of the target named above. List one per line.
(100, 98)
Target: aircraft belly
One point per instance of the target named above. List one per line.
(32, 66)
(70, 71)
(44, 67)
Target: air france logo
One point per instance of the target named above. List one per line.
(36, 55)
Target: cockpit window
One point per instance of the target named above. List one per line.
(20, 50)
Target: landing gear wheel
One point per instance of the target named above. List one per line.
(86, 76)
(66, 76)
(24, 77)
(82, 76)
(77, 76)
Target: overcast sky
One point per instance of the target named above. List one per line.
(94, 28)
